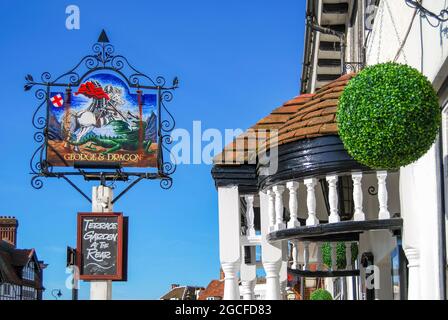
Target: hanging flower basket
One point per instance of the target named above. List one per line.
(388, 116)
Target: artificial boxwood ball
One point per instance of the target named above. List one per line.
(388, 116)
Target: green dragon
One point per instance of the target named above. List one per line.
(126, 139)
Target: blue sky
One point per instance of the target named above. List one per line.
(236, 61)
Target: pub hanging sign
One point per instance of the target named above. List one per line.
(102, 246)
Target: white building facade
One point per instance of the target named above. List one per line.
(287, 189)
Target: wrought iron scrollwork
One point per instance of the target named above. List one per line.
(372, 191)
(101, 58)
(350, 67)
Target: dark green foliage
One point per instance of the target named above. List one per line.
(340, 254)
(388, 116)
(321, 294)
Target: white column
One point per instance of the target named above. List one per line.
(333, 199)
(319, 259)
(311, 202)
(101, 202)
(382, 195)
(413, 257)
(271, 253)
(278, 190)
(306, 255)
(334, 261)
(295, 254)
(250, 215)
(271, 209)
(359, 214)
(229, 239)
(348, 255)
(293, 206)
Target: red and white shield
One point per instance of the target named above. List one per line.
(57, 101)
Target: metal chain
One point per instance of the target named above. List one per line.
(396, 33)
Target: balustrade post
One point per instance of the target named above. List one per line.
(250, 215)
(231, 288)
(272, 270)
(413, 257)
(295, 254)
(333, 199)
(359, 214)
(382, 195)
(293, 205)
(279, 224)
(306, 255)
(311, 202)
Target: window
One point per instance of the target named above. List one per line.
(28, 271)
(29, 293)
(6, 289)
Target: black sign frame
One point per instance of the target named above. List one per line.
(120, 273)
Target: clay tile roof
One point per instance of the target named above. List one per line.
(305, 116)
(244, 147)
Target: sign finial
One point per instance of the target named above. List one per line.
(103, 37)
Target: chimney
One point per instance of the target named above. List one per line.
(221, 274)
(8, 229)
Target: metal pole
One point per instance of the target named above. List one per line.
(101, 202)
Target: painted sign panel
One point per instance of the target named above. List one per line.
(102, 121)
(100, 246)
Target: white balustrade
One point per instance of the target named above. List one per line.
(250, 215)
(271, 209)
(247, 290)
(311, 202)
(231, 288)
(359, 214)
(333, 198)
(279, 224)
(272, 269)
(306, 255)
(293, 205)
(348, 255)
(334, 263)
(382, 195)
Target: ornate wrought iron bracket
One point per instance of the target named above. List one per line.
(102, 58)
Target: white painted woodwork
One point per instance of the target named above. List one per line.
(247, 290)
(295, 254)
(334, 264)
(382, 195)
(413, 257)
(283, 279)
(348, 255)
(279, 224)
(311, 201)
(306, 255)
(333, 198)
(293, 186)
(271, 209)
(271, 253)
(231, 287)
(101, 202)
(229, 239)
(359, 214)
(319, 258)
(250, 215)
(272, 269)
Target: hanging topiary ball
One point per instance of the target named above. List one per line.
(388, 116)
(321, 294)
